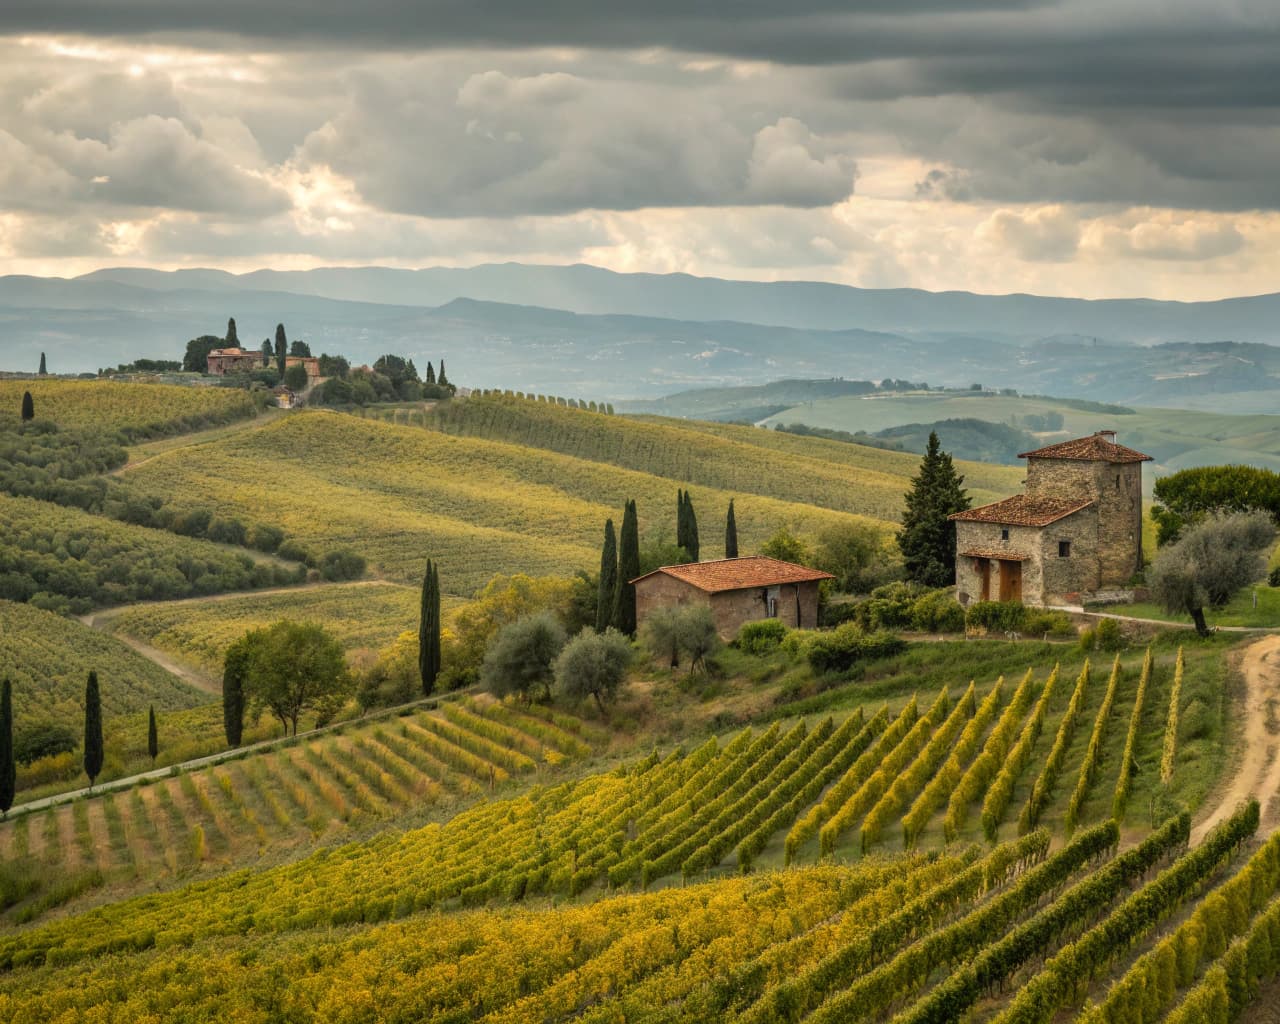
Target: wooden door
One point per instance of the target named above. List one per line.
(1010, 581)
(984, 569)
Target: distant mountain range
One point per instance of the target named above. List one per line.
(583, 331)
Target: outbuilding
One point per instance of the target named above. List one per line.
(737, 590)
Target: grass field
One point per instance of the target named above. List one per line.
(400, 495)
(137, 410)
(1239, 611)
(1175, 438)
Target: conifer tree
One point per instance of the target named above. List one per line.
(232, 339)
(153, 736)
(691, 542)
(28, 407)
(282, 349)
(431, 373)
(8, 771)
(92, 728)
(429, 630)
(234, 668)
(441, 379)
(730, 534)
(268, 353)
(928, 537)
(682, 521)
(624, 602)
(608, 577)
(44, 371)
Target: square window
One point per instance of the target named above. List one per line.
(1064, 549)
(1004, 534)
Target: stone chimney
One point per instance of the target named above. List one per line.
(1107, 435)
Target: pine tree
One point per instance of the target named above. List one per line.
(28, 407)
(431, 373)
(232, 339)
(928, 537)
(8, 772)
(429, 630)
(730, 534)
(44, 370)
(92, 728)
(153, 736)
(282, 349)
(624, 601)
(691, 543)
(608, 577)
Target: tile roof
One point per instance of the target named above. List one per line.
(1023, 510)
(1099, 447)
(1004, 556)
(739, 573)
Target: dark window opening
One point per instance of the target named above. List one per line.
(1064, 549)
(1004, 534)
(1117, 481)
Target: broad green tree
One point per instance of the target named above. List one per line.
(295, 377)
(786, 547)
(928, 537)
(294, 668)
(300, 348)
(153, 735)
(196, 358)
(521, 657)
(8, 767)
(608, 577)
(730, 534)
(92, 728)
(624, 601)
(429, 630)
(593, 665)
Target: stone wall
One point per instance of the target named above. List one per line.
(1023, 540)
(797, 603)
(1047, 578)
(1065, 579)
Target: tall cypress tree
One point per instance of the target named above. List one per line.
(28, 407)
(624, 602)
(234, 667)
(282, 348)
(429, 630)
(691, 542)
(730, 534)
(43, 368)
(8, 771)
(431, 373)
(682, 523)
(153, 736)
(232, 339)
(441, 379)
(92, 728)
(928, 538)
(608, 577)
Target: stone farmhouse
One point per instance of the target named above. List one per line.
(234, 360)
(1076, 530)
(737, 590)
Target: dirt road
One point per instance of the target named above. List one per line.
(1258, 773)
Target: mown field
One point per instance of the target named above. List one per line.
(135, 410)
(1034, 907)
(399, 495)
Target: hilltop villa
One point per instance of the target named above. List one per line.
(1076, 530)
(222, 361)
(737, 590)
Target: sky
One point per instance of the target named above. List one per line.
(1092, 148)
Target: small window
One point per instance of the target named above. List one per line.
(1117, 481)
(1004, 534)
(1064, 549)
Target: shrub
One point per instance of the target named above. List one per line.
(890, 606)
(937, 612)
(292, 551)
(1273, 578)
(265, 538)
(1041, 622)
(761, 637)
(996, 616)
(842, 648)
(342, 564)
(1105, 636)
(1197, 721)
(226, 531)
(43, 739)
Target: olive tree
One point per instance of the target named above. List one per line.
(593, 665)
(520, 658)
(1210, 563)
(294, 667)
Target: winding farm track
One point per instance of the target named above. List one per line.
(1258, 772)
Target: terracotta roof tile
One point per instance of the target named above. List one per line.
(1099, 447)
(739, 573)
(1023, 510)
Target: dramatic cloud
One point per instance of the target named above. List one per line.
(1073, 146)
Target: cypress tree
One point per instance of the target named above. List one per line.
(624, 601)
(429, 630)
(232, 340)
(8, 772)
(730, 534)
(608, 577)
(28, 407)
(691, 544)
(282, 348)
(431, 373)
(682, 521)
(268, 353)
(234, 666)
(153, 737)
(43, 368)
(92, 728)
(441, 379)
(928, 538)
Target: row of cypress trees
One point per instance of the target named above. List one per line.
(93, 745)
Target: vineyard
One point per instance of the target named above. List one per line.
(135, 410)
(396, 494)
(273, 802)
